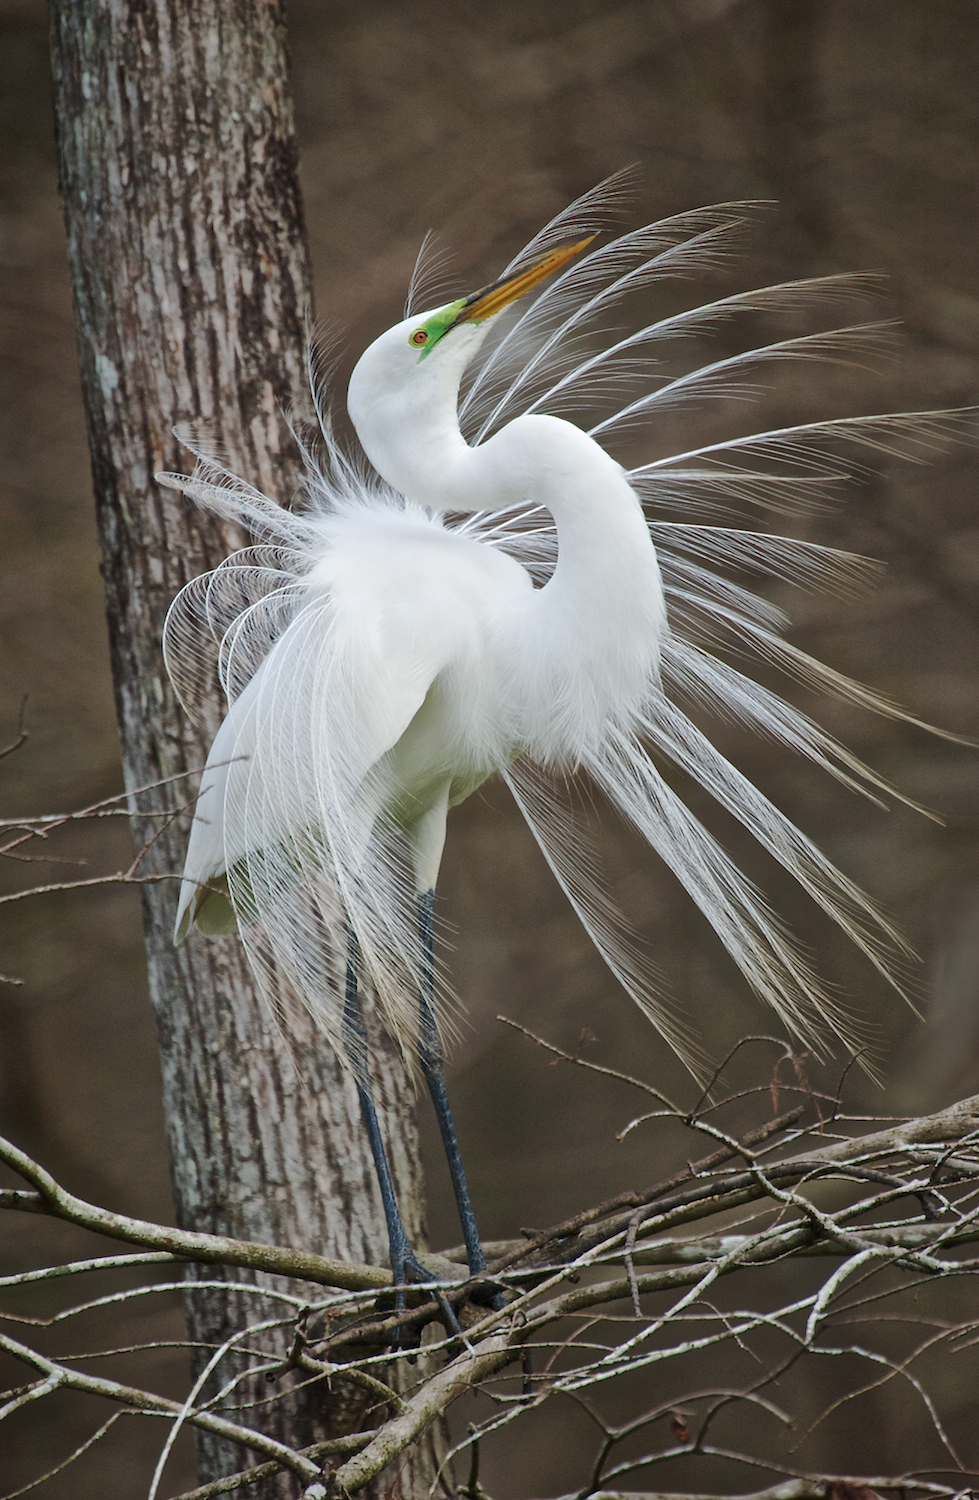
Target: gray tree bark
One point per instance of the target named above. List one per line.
(179, 179)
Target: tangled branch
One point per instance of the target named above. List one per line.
(903, 1203)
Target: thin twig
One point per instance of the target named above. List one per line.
(121, 877)
(22, 733)
(155, 1405)
(582, 1062)
(633, 1200)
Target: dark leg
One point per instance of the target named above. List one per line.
(403, 1258)
(430, 1054)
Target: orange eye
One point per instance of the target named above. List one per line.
(419, 337)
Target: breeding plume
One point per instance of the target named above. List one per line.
(491, 592)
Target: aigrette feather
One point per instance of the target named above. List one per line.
(299, 806)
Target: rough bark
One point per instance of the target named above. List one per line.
(178, 173)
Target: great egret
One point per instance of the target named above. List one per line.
(486, 595)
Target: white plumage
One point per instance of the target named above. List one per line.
(487, 595)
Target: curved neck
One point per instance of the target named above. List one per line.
(606, 590)
(405, 412)
(593, 633)
(585, 647)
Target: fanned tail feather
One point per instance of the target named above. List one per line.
(672, 733)
(774, 965)
(573, 861)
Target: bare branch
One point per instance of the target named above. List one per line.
(66, 1462)
(334, 1448)
(121, 877)
(210, 1248)
(789, 1489)
(634, 1201)
(582, 1062)
(434, 1398)
(102, 1263)
(144, 1401)
(932, 1161)
(21, 734)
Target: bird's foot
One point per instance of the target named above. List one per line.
(409, 1272)
(489, 1294)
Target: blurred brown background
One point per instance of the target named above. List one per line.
(861, 118)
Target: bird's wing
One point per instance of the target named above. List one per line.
(296, 746)
(204, 902)
(299, 775)
(286, 821)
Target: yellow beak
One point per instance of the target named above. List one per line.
(490, 300)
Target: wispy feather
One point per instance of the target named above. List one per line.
(305, 803)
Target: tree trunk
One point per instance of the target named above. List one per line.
(191, 279)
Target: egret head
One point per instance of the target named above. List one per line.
(404, 389)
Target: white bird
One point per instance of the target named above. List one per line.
(487, 595)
